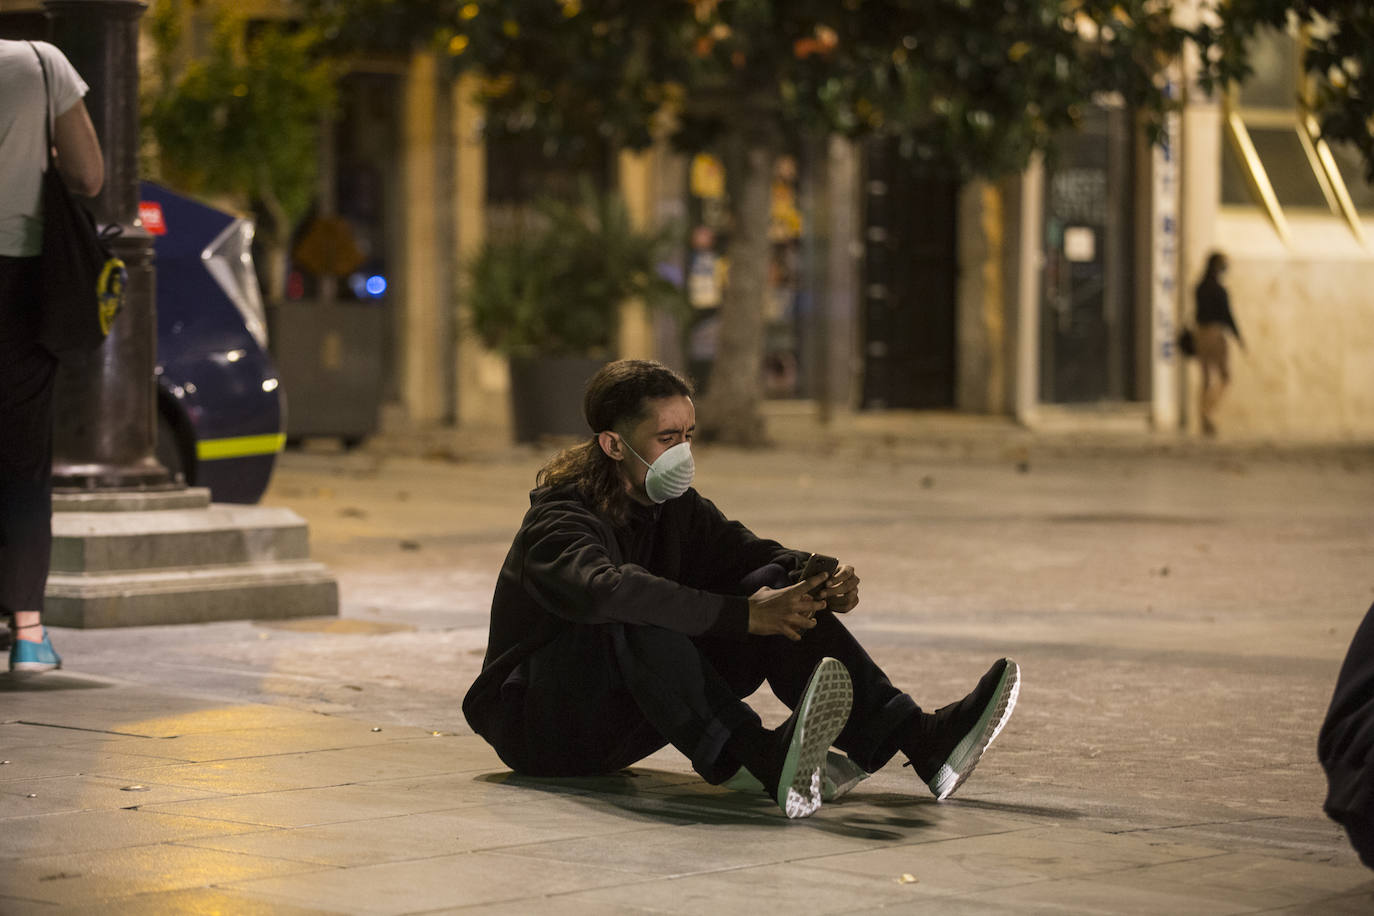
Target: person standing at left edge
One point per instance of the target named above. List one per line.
(27, 371)
(631, 614)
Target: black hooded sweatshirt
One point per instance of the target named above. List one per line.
(676, 565)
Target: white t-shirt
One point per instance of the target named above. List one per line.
(23, 158)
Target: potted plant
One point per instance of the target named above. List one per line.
(549, 298)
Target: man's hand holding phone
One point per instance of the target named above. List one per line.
(839, 590)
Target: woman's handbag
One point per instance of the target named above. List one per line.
(1187, 342)
(83, 282)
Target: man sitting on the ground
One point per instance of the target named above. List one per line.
(630, 614)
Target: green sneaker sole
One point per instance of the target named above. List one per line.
(821, 715)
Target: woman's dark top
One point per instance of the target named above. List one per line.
(1214, 305)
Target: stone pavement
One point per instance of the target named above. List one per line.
(1179, 612)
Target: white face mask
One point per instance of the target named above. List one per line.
(671, 473)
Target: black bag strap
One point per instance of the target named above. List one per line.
(47, 103)
(106, 232)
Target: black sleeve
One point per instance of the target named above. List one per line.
(731, 551)
(570, 571)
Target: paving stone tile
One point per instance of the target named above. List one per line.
(79, 878)
(321, 733)
(87, 759)
(482, 786)
(1010, 858)
(506, 828)
(306, 807)
(81, 831)
(435, 884)
(387, 760)
(1290, 837)
(1075, 896)
(793, 889)
(1360, 903)
(16, 735)
(566, 905)
(83, 793)
(151, 714)
(207, 900)
(1249, 880)
(13, 906)
(671, 851)
(20, 690)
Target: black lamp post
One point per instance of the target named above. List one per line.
(106, 409)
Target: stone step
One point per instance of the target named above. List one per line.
(219, 535)
(127, 501)
(252, 591)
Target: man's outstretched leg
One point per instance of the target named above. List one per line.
(944, 746)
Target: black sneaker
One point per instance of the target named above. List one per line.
(959, 733)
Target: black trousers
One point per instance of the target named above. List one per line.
(601, 697)
(1345, 745)
(27, 374)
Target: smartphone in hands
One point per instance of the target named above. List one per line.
(817, 563)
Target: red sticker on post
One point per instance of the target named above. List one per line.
(150, 214)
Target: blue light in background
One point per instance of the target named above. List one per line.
(367, 286)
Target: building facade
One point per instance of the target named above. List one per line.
(1051, 296)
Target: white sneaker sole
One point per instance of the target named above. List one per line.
(838, 777)
(969, 751)
(33, 667)
(821, 715)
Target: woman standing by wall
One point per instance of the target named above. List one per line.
(1213, 319)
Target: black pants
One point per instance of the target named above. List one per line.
(27, 373)
(601, 697)
(1346, 744)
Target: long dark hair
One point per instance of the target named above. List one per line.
(617, 398)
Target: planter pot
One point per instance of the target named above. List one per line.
(331, 359)
(546, 395)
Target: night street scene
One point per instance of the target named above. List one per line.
(733, 456)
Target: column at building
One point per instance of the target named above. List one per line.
(482, 378)
(426, 327)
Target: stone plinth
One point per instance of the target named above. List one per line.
(160, 557)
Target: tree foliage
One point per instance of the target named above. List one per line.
(241, 120)
(555, 288)
(979, 84)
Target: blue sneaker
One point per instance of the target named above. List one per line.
(33, 657)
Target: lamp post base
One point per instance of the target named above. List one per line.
(140, 558)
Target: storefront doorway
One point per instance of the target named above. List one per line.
(1087, 308)
(910, 280)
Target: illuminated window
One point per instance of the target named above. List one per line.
(1351, 167)
(1272, 157)
(1288, 166)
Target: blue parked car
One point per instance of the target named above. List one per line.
(221, 410)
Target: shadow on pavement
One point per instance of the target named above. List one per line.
(13, 682)
(681, 798)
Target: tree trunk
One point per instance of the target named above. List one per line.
(730, 411)
(274, 241)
